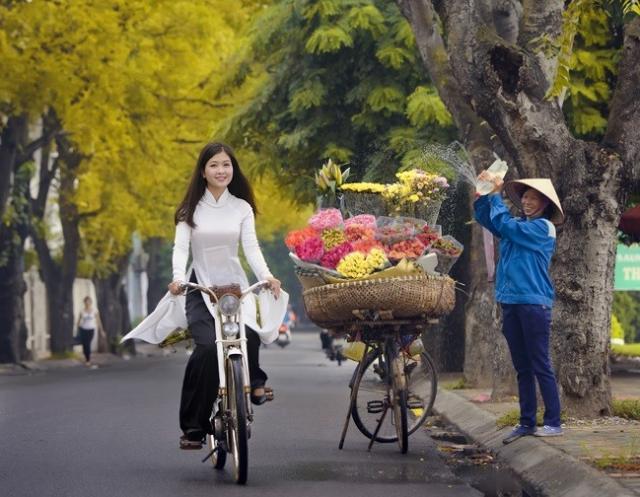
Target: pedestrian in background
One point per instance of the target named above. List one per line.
(88, 323)
(525, 291)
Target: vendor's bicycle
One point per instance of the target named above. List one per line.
(394, 386)
(232, 414)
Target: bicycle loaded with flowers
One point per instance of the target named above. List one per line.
(373, 265)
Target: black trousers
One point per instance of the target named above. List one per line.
(86, 336)
(201, 379)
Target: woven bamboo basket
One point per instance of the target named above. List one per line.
(309, 278)
(404, 296)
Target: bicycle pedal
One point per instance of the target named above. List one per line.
(375, 406)
(415, 404)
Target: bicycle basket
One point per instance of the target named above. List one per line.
(404, 296)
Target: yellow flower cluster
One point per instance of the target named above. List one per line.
(354, 265)
(415, 186)
(359, 265)
(332, 238)
(363, 187)
(377, 259)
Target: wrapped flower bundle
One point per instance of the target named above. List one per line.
(363, 187)
(356, 232)
(296, 237)
(310, 250)
(407, 249)
(332, 238)
(364, 244)
(428, 235)
(331, 258)
(365, 220)
(446, 247)
(326, 219)
(377, 259)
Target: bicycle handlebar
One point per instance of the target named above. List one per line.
(211, 293)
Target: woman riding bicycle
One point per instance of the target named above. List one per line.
(217, 212)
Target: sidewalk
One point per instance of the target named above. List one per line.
(582, 463)
(101, 360)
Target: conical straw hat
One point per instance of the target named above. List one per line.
(516, 188)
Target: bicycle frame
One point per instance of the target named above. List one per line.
(227, 347)
(227, 431)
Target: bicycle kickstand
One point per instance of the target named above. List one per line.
(375, 433)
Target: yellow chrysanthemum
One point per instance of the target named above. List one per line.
(354, 265)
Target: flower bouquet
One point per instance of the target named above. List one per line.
(364, 198)
(429, 234)
(448, 250)
(392, 230)
(328, 181)
(417, 194)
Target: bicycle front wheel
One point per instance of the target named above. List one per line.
(238, 439)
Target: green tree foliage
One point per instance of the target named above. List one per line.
(616, 328)
(334, 79)
(129, 82)
(588, 54)
(626, 307)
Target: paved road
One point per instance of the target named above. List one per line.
(113, 432)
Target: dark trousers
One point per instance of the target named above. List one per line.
(86, 336)
(201, 380)
(526, 328)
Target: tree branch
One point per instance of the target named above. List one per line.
(623, 127)
(424, 21)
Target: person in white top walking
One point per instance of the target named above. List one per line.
(88, 322)
(216, 214)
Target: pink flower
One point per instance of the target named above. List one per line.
(326, 219)
(332, 257)
(366, 220)
(311, 249)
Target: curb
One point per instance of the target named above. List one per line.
(550, 472)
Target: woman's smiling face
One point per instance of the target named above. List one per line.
(218, 171)
(533, 203)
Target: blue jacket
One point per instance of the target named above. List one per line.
(526, 247)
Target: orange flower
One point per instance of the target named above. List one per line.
(296, 237)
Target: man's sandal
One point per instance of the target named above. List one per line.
(261, 399)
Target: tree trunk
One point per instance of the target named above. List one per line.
(159, 271)
(13, 232)
(59, 277)
(113, 305)
(486, 359)
(504, 78)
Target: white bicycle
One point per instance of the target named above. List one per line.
(232, 413)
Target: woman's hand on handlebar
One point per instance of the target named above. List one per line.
(176, 288)
(275, 285)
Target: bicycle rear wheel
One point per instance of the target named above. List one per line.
(398, 394)
(219, 456)
(372, 397)
(238, 439)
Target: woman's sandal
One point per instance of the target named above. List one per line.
(186, 444)
(261, 399)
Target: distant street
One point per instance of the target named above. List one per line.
(114, 432)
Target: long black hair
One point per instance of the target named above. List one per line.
(238, 187)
